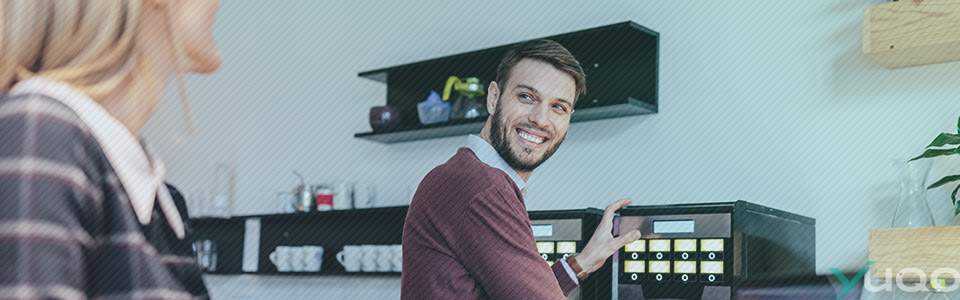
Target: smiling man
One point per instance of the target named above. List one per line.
(467, 234)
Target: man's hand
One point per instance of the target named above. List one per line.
(603, 244)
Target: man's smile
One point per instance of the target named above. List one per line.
(536, 139)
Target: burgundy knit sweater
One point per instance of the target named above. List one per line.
(467, 236)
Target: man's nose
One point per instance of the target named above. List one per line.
(538, 115)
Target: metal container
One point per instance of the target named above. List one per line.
(305, 199)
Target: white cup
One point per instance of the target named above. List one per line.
(350, 258)
(282, 258)
(397, 262)
(298, 259)
(368, 258)
(312, 258)
(343, 194)
(384, 258)
(363, 196)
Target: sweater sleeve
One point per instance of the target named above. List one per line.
(48, 199)
(498, 249)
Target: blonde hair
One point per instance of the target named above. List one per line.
(89, 44)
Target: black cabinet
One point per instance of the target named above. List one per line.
(329, 229)
(620, 61)
(332, 230)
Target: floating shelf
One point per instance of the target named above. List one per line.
(912, 33)
(923, 248)
(620, 60)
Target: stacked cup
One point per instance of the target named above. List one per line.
(297, 259)
(371, 258)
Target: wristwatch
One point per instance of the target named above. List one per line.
(581, 273)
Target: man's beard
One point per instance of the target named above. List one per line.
(498, 136)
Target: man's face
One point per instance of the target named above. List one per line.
(532, 115)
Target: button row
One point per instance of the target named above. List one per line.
(706, 278)
(558, 247)
(674, 256)
(678, 245)
(680, 267)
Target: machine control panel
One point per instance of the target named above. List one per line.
(673, 260)
(675, 249)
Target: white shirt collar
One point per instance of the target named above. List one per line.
(141, 177)
(488, 155)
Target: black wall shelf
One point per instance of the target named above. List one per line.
(620, 60)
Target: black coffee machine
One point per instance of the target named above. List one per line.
(728, 250)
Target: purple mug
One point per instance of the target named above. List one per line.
(384, 117)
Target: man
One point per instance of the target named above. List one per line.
(467, 234)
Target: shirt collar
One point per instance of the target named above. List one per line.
(488, 155)
(140, 174)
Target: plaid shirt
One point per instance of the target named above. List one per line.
(67, 227)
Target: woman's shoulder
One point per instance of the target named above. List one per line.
(39, 109)
(38, 127)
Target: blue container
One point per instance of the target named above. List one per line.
(433, 110)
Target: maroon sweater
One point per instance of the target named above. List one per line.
(468, 236)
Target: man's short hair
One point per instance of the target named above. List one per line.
(546, 51)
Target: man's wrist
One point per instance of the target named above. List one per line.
(580, 272)
(587, 262)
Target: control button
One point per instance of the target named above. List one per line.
(548, 257)
(711, 278)
(660, 255)
(634, 266)
(659, 245)
(659, 267)
(636, 246)
(711, 267)
(659, 277)
(635, 255)
(631, 277)
(685, 245)
(711, 255)
(685, 256)
(685, 267)
(567, 247)
(711, 245)
(545, 247)
(685, 277)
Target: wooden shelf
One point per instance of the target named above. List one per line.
(912, 33)
(621, 62)
(924, 248)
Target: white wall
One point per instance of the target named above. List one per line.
(767, 101)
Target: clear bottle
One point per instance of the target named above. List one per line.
(224, 184)
(912, 209)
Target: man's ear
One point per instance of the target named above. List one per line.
(493, 95)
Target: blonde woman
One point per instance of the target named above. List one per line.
(84, 213)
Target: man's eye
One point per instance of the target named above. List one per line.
(526, 97)
(560, 107)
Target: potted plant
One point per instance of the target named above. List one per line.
(945, 144)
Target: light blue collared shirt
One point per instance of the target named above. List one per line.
(488, 155)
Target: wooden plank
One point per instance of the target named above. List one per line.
(924, 248)
(912, 33)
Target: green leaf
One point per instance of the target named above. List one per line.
(945, 139)
(953, 197)
(935, 152)
(944, 180)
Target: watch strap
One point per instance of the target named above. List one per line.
(575, 267)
